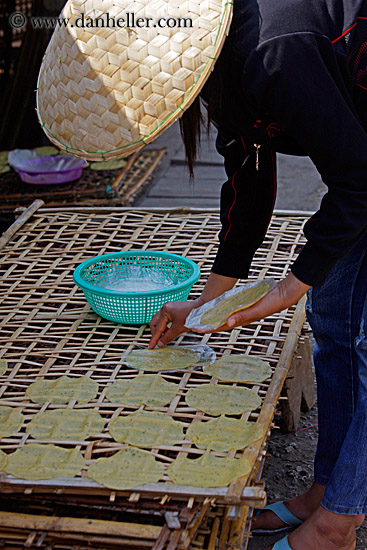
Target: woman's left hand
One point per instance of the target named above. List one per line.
(285, 294)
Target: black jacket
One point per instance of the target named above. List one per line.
(292, 77)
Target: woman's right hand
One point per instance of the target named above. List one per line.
(176, 312)
(171, 312)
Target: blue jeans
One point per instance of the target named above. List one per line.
(337, 313)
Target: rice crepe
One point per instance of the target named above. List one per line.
(146, 429)
(215, 399)
(223, 434)
(207, 471)
(129, 468)
(37, 461)
(239, 368)
(147, 389)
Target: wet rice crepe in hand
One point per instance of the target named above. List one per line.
(217, 399)
(207, 471)
(215, 313)
(223, 434)
(247, 297)
(147, 389)
(239, 368)
(11, 421)
(63, 390)
(36, 461)
(154, 360)
(66, 424)
(146, 429)
(127, 469)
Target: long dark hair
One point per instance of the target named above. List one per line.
(192, 122)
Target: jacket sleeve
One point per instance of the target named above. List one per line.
(247, 201)
(299, 79)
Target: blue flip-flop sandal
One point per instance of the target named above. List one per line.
(285, 515)
(282, 544)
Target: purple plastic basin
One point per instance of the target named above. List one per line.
(46, 170)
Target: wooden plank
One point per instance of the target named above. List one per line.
(250, 495)
(173, 541)
(162, 539)
(238, 528)
(78, 525)
(214, 534)
(224, 533)
(299, 387)
(122, 174)
(23, 218)
(86, 542)
(193, 524)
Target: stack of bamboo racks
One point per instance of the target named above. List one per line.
(49, 330)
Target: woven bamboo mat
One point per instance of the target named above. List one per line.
(102, 187)
(48, 329)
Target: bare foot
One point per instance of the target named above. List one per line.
(358, 520)
(325, 530)
(302, 506)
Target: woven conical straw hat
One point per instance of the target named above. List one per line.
(106, 92)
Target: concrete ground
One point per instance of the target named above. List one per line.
(299, 184)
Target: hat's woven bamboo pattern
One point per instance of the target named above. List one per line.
(106, 92)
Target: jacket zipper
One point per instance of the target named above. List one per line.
(257, 156)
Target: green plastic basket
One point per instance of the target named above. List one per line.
(134, 308)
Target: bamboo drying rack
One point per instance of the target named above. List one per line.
(48, 330)
(54, 522)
